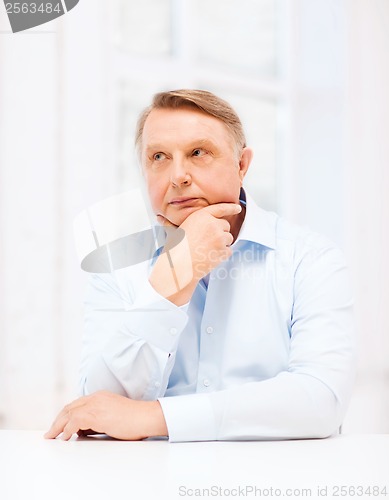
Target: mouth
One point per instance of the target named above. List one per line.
(183, 201)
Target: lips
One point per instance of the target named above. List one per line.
(182, 201)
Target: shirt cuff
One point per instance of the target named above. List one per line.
(189, 418)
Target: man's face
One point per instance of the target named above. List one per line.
(189, 161)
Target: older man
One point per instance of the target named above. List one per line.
(243, 330)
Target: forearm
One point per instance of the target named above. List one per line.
(130, 351)
(140, 372)
(173, 279)
(289, 406)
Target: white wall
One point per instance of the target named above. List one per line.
(53, 164)
(366, 215)
(29, 216)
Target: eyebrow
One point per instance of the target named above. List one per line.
(201, 142)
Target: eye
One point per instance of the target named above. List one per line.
(159, 156)
(199, 152)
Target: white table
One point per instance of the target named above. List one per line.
(101, 468)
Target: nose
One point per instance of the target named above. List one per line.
(179, 173)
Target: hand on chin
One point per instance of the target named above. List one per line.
(177, 217)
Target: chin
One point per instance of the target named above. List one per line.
(181, 215)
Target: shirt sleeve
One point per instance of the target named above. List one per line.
(130, 337)
(309, 399)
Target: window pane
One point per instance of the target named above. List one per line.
(144, 27)
(238, 35)
(133, 97)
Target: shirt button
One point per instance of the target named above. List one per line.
(173, 331)
(157, 384)
(206, 382)
(209, 329)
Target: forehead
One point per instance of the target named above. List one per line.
(184, 125)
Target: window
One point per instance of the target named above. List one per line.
(228, 47)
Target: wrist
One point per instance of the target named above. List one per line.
(156, 422)
(178, 293)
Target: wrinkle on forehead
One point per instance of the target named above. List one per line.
(164, 127)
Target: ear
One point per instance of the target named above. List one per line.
(244, 162)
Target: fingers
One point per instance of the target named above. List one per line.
(57, 426)
(68, 431)
(224, 225)
(228, 238)
(217, 210)
(63, 418)
(75, 421)
(223, 209)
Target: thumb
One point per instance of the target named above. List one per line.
(220, 210)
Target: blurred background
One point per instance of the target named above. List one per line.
(310, 80)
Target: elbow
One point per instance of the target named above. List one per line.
(325, 429)
(327, 418)
(324, 409)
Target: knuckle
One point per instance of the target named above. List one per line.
(100, 395)
(70, 414)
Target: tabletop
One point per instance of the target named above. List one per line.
(345, 466)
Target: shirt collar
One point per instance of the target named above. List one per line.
(259, 225)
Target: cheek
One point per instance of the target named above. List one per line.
(225, 187)
(156, 193)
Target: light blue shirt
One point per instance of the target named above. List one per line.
(264, 350)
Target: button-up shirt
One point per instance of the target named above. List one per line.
(263, 350)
